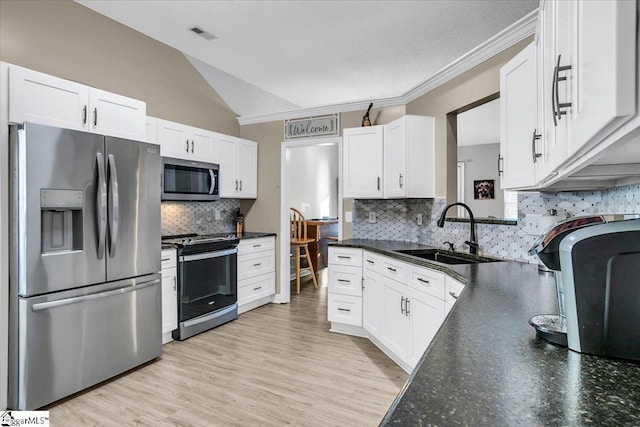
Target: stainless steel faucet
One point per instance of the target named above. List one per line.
(472, 242)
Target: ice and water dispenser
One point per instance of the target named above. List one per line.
(61, 220)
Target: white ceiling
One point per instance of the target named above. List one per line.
(304, 54)
(480, 125)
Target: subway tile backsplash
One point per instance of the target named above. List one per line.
(396, 219)
(199, 217)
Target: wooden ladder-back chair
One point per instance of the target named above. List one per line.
(300, 241)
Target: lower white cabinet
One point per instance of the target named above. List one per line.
(400, 306)
(256, 272)
(169, 294)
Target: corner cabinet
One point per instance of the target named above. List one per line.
(169, 294)
(238, 160)
(48, 100)
(391, 161)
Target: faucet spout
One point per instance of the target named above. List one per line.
(472, 242)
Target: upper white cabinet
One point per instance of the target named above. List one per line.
(409, 157)
(185, 142)
(151, 132)
(238, 160)
(362, 162)
(41, 98)
(391, 161)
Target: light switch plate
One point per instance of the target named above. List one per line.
(217, 215)
(419, 219)
(348, 216)
(372, 217)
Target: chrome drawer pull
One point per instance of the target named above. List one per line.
(391, 269)
(258, 288)
(371, 262)
(420, 279)
(257, 265)
(256, 246)
(344, 281)
(166, 259)
(344, 309)
(453, 295)
(344, 257)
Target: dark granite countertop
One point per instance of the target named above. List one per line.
(486, 366)
(255, 234)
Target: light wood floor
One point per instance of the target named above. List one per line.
(275, 365)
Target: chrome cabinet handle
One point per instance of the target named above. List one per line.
(240, 185)
(114, 205)
(420, 279)
(453, 295)
(95, 117)
(392, 269)
(534, 153)
(402, 305)
(187, 142)
(344, 281)
(257, 264)
(500, 170)
(192, 146)
(101, 205)
(344, 309)
(256, 246)
(400, 181)
(236, 185)
(175, 281)
(554, 91)
(258, 288)
(344, 257)
(84, 115)
(371, 262)
(406, 307)
(165, 259)
(378, 183)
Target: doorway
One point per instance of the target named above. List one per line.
(313, 191)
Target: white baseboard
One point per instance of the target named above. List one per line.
(243, 308)
(341, 328)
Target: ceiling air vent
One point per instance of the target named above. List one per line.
(202, 33)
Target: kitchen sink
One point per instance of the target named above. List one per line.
(447, 257)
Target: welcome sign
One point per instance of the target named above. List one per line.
(320, 126)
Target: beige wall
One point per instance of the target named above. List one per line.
(479, 82)
(68, 40)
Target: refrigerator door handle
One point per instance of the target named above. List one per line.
(114, 206)
(213, 182)
(101, 205)
(67, 301)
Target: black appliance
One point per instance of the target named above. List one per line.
(189, 180)
(207, 281)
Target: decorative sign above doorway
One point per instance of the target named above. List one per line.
(312, 127)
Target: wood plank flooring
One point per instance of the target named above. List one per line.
(275, 365)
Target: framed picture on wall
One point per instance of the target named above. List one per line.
(483, 189)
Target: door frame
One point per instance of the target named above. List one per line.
(284, 293)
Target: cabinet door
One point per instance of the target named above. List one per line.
(174, 140)
(362, 162)
(247, 169)
(44, 99)
(169, 301)
(373, 303)
(603, 69)
(201, 145)
(395, 152)
(224, 154)
(426, 314)
(395, 323)
(116, 115)
(518, 110)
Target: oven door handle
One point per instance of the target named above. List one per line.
(207, 255)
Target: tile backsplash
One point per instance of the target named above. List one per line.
(199, 217)
(396, 219)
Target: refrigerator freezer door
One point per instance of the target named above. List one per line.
(78, 338)
(133, 170)
(55, 222)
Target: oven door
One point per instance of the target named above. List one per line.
(188, 180)
(208, 282)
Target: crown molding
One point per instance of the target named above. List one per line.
(508, 37)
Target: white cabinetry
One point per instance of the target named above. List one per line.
(391, 161)
(372, 302)
(169, 294)
(151, 130)
(41, 98)
(256, 272)
(185, 142)
(238, 160)
(345, 289)
(362, 162)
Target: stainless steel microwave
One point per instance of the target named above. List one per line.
(189, 180)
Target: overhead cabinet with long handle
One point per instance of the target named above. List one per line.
(238, 160)
(185, 142)
(395, 160)
(41, 98)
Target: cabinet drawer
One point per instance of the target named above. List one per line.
(346, 309)
(372, 261)
(345, 280)
(345, 256)
(454, 289)
(256, 287)
(255, 264)
(248, 246)
(427, 281)
(393, 269)
(168, 258)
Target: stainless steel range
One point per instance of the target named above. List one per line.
(207, 281)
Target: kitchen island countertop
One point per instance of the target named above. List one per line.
(487, 367)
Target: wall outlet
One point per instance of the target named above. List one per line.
(419, 219)
(372, 217)
(348, 216)
(217, 214)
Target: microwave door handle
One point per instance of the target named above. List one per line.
(101, 205)
(213, 182)
(114, 206)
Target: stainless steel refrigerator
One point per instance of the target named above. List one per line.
(85, 261)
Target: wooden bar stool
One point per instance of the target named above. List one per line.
(299, 241)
